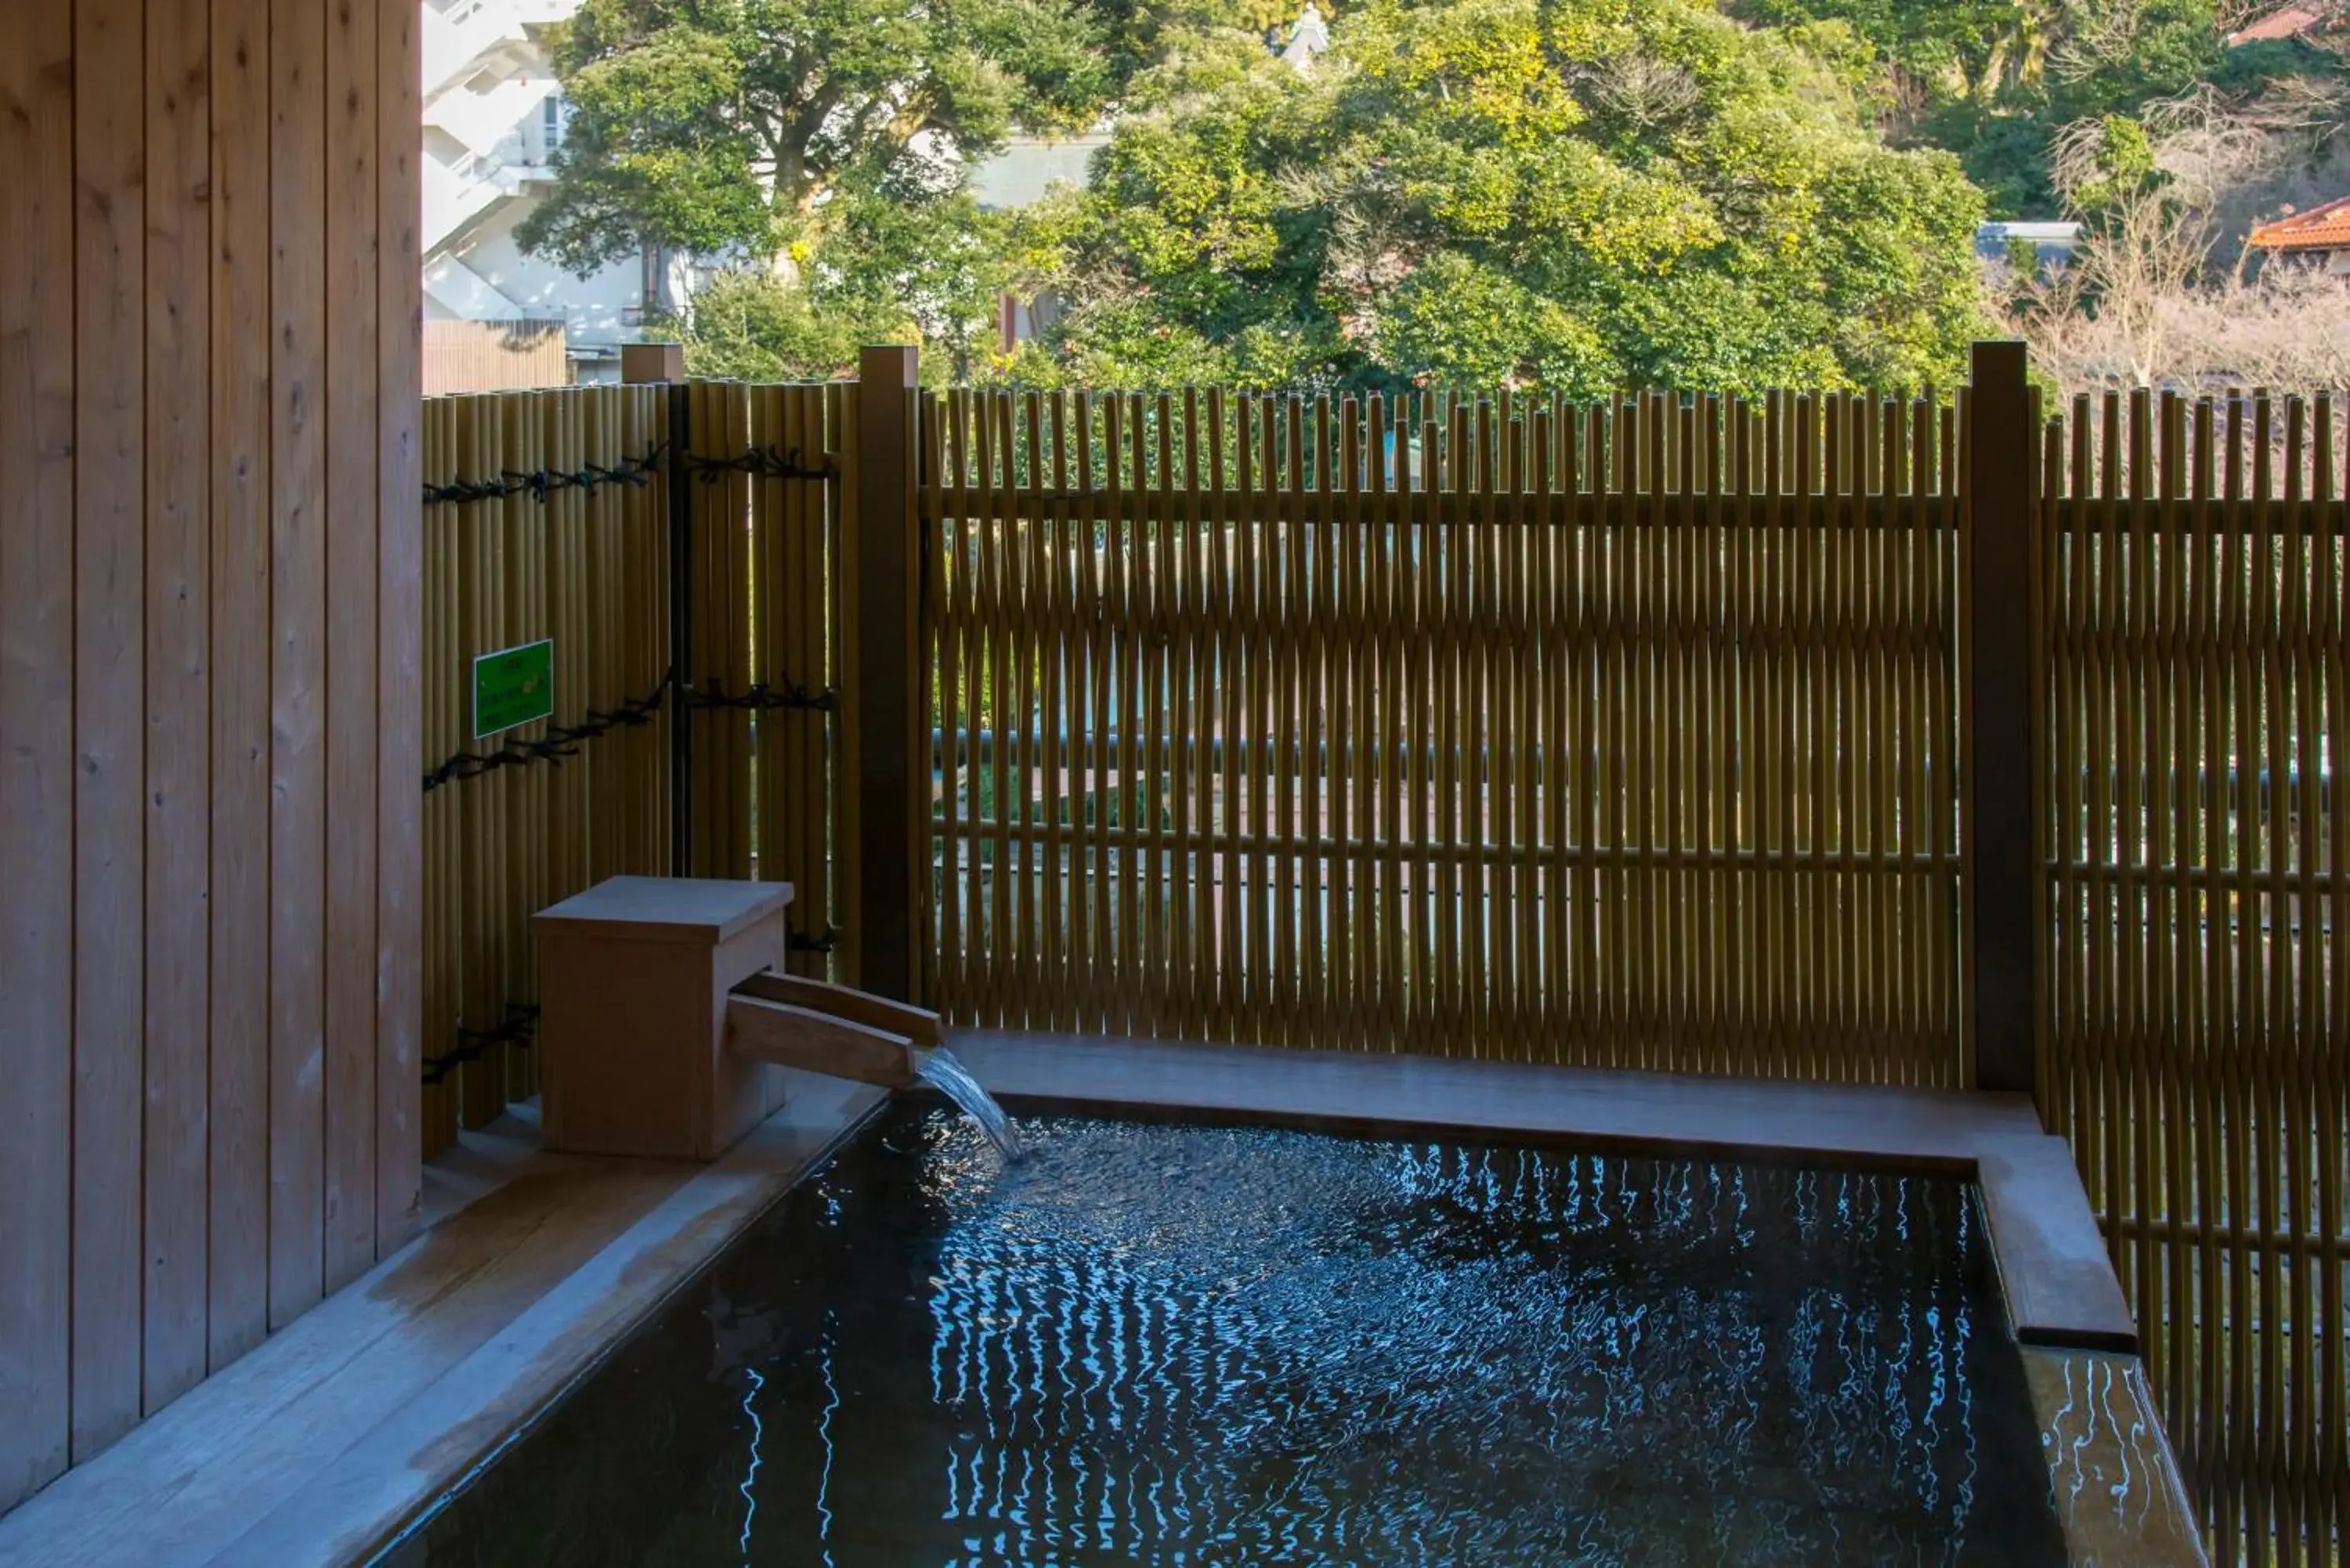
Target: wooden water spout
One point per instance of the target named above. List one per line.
(820, 1027)
(666, 1019)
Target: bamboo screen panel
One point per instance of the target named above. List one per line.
(1613, 736)
(2197, 988)
(530, 552)
(769, 578)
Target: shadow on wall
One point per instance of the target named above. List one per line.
(494, 355)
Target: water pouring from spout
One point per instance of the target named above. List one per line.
(938, 1067)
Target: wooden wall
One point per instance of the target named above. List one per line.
(494, 355)
(208, 513)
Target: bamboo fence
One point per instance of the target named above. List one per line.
(1623, 735)
(522, 551)
(1617, 735)
(2197, 996)
(768, 657)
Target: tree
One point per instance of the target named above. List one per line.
(1577, 195)
(1929, 47)
(2150, 298)
(1997, 81)
(720, 127)
(928, 271)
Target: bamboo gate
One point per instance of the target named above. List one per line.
(1631, 735)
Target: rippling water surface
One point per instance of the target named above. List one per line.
(1184, 1346)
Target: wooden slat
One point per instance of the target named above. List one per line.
(36, 713)
(352, 434)
(298, 630)
(178, 319)
(108, 881)
(238, 1237)
(399, 677)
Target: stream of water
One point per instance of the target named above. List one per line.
(939, 1068)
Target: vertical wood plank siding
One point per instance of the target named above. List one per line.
(297, 655)
(399, 620)
(206, 509)
(238, 1243)
(36, 715)
(178, 692)
(110, 827)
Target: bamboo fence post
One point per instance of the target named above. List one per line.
(885, 627)
(2000, 699)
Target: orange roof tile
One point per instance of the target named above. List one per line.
(2323, 227)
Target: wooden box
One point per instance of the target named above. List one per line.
(633, 978)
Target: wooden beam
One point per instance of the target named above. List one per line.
(817, 1043)
(885, 623)
(919, 1024)
(2000, 779)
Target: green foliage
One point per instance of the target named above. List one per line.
(1576, 194)
(2125, 167)
(1464, 324)
(1959, 41)
(883, 272)
(721, 126)
(1995, 81)
(1568, 194)
(755, 326)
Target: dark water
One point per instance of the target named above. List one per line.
(1182, 1346)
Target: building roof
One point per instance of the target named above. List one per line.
(2052, 241)
(2051, 231)
(2294, 19)
(2321, 228)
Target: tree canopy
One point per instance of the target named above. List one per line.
(742, 127)
(1570, 194)
(1578, 194)
(1998, 81)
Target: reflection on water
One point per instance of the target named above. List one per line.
(1173, 1344)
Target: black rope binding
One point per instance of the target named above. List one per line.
(520, 1029)
(763, 696)
(761, 463)
(540, 483)
(559, 742)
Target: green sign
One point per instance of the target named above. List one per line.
(512, 686)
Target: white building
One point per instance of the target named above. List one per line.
(2053, 243)
(494, 116)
